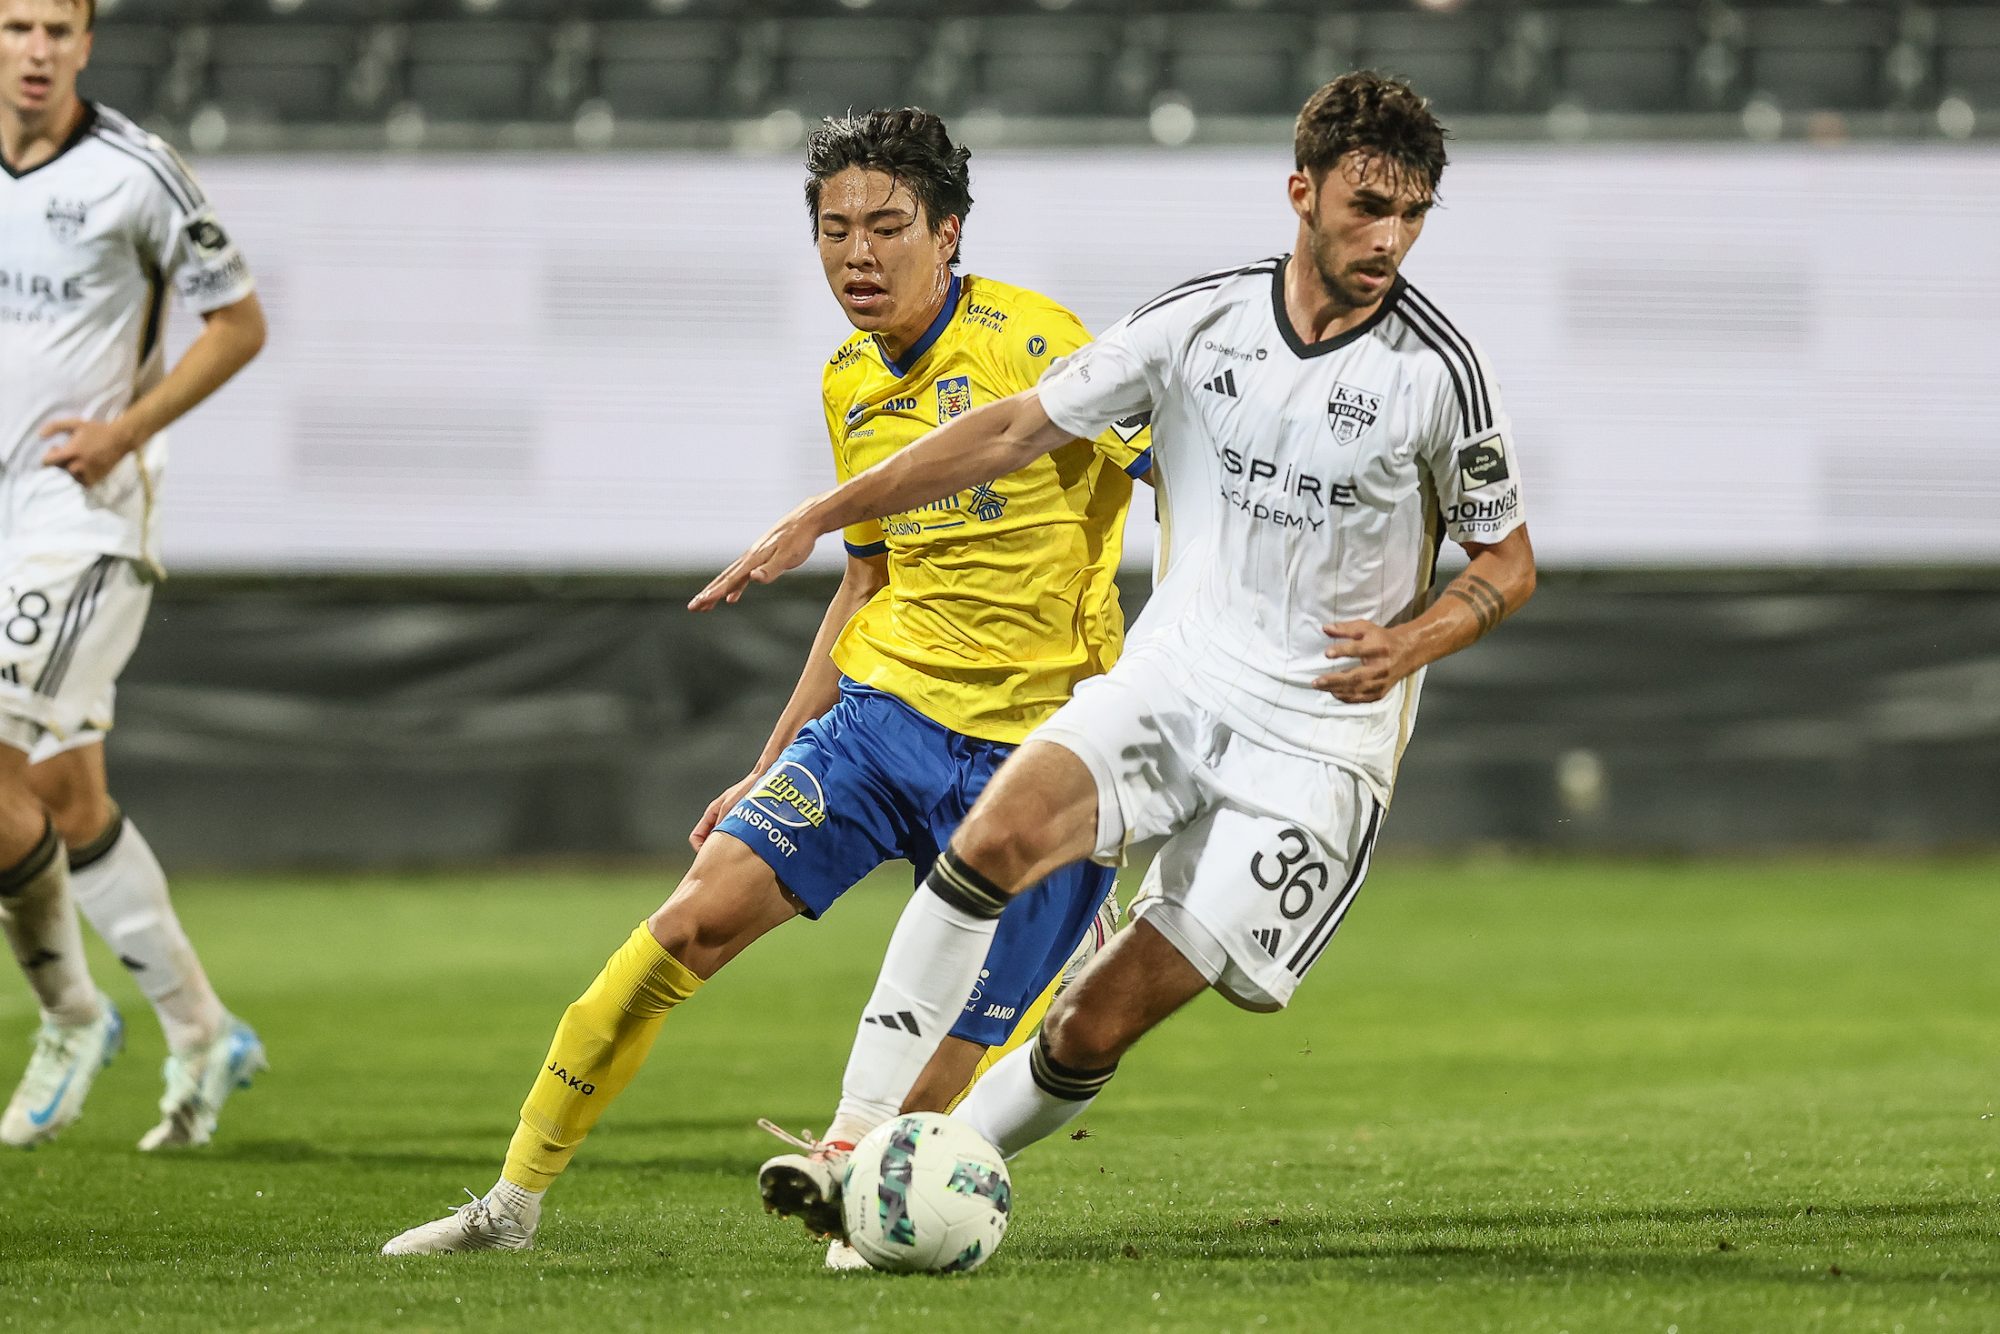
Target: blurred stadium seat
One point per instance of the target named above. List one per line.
(477, 69)
(1818, 57)
(665, 69)
(826, 66)
(471, 61)
(1055, 65)
(130, 71)
(1246, 64)
(1448, 55)
(1626, 59)
(291, 72)
(1969, 55)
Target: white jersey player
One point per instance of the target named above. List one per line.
(99, 224)
(1319, 426)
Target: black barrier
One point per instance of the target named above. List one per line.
(374, 722)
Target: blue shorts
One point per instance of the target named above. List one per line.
(874, 780)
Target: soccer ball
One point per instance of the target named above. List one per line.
(925, 1194)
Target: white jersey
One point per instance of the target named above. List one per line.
(1299, 485)
(90, 242)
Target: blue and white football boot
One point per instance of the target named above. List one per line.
(64, 1065)
(199, 1082)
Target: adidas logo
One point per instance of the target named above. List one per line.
(902, 1022)
(1268, 937)
(1224, 384)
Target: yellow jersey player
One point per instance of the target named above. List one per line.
(958, 628)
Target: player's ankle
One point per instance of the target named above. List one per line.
(516, 1202)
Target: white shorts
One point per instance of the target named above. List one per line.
(68, 624)
(1265, 849)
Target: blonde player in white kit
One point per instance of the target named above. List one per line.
(98, 222)
(1318, 427)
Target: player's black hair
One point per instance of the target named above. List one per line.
(1375, 115)
(908, 143)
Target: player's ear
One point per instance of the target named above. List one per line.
(947, 235)
(1299, 189)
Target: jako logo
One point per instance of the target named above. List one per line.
(566, 1077)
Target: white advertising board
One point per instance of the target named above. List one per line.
(1711, 355)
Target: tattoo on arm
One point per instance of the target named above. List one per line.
(1489, 605)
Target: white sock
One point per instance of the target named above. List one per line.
(1026, 1097)
(516, 1202)
(929, 970)
(41, 926)
(122, 890)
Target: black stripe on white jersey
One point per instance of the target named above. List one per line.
(76, 619)
(1451, 368)
(120, 133)
(1207, 282)
(1481, 400)
(1329, 921)
(159, 150)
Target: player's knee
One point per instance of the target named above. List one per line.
(991, 845)
(82, 818)
(708, 922)
(1086, 1037)
(691, 936)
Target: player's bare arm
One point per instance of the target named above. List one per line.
(230, 337)
(1493, 587)
(987, 442)
(818, 688)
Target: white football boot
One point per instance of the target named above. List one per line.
(200, 1082)
(806, 1185)
(479, 1225)
(840, 1255)
(65, 1062)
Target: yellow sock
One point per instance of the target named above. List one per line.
(1022, 1031)
(599, 1046)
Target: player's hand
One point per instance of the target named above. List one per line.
(1378, 659)
(92, 450)
(785, 547)
(719, 809)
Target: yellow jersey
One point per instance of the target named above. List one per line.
(1000, 598)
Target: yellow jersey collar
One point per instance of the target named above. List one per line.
(936, 330)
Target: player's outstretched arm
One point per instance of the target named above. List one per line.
(1493, 587)
(985, 443)
(229, 338)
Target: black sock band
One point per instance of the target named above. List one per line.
(95, 850)
(1064, 1081)
(964, 888)
(18, 876)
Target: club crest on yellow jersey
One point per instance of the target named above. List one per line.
(954, 397)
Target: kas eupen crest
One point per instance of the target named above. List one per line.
(66, 218)
(1351, 412)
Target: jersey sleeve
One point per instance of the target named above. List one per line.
(865, 538)
(1469, 452)
(1114, 383)
(1048, 334)
(186, 242)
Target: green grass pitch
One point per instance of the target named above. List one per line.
(1514, 1096)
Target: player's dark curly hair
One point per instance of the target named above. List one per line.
(910, 144)
(1377, 116)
